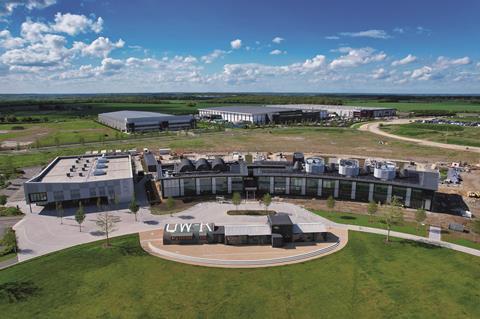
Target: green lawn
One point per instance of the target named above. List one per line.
(376, 222)
(444, 133)
(7, 257)
(367, 279)
(460, 241)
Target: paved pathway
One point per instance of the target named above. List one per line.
(435, 233)
(374, 128)
(41, 233)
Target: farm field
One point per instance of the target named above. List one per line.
(367, 279)
(444, 133)
(346, 141)
(53, 133)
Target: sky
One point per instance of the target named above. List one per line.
(123, 46)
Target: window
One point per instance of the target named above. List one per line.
(75, 194)
(345, 189)
(38, 197)
(264, 184)
(362, 191)
(296, 186)
(189, 186)
(380, 193)
(328, 188)
(312, 186)
(93, 192)
(279, 185)
(400, 193)
(205, 185)
(221, 185)
(237, 184)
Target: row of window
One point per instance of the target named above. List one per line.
(323, 188)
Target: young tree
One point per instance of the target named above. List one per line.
(267, 200)
(57, 141)
(99, 203)
(106, 224)
(372, 209)
(59, 210)
(331, 203)
(170, 204)
(420, 216)
(80, 215)
(134, 208)
(393, 215)
(236, 199)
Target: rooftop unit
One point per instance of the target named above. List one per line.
(202, 165)
(315, 165)
(348, 167)
(385, 170)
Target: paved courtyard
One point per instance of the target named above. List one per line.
(40, 232)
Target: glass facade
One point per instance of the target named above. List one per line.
(312, 187)
(345, 190)
(38, 197)
(296, 186)
(328, 188)
(237, 184)
(221, 185)
(418, 197)
(264, 184)
(279, 185)
(380, 193)
(400, 193)
(189, 187)
(205, 185)
(362, 191)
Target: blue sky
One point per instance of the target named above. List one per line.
(60, 46)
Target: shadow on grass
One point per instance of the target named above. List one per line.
(417, 244)
(348, 217)
(17, 291)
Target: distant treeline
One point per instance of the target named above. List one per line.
(277, 99)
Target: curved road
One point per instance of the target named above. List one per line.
(375, 128)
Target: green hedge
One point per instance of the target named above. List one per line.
(9, 242)
(10, 211)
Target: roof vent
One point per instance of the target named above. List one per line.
(99, 172)
(385, 170)
(348, 167)
(315, 165)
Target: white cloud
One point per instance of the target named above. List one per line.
(406, 60)
(9, 42)
(376, 34)
(399, 30)
(332, 37)
(278, 40)
(236, 44)
(101, 47)
(214, 55)
(315, 63)
(424, 73)
(277, 52)
(73, 24)
(33, 31)
(7, 6)
(356, 57)
(443, 62)
(380, 74)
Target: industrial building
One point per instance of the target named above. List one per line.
(86, 178)
(262, 114)
(279, 230)
(139, 121)
(344, 179)
(346, 111)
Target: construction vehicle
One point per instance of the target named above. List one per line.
(473, 194)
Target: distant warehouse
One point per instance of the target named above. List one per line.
(139, 121)
(345, 111)
(263, 114)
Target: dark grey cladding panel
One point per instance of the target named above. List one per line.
(48, 187)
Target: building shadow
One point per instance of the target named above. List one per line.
(452, 204)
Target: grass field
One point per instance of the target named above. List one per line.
(444, 133)
(320, 140)
(367, 279)
(53, 133)
(376, 222)
(452, 238)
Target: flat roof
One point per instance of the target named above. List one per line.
(247, 230)
(308, 228)
(118, 167)
(249, 109)
(125, 114)
(280, 219)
